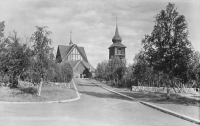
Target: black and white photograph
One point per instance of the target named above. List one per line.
(99, 62)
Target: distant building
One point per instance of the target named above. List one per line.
(117, 48)
(76, 57)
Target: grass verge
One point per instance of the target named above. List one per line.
(29, 94)
(156, 97)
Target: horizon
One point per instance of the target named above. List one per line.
(93, 23)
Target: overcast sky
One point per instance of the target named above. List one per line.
(93, 22)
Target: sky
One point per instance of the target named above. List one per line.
(93, 22)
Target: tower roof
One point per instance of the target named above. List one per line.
(117, 37)
(118, 44)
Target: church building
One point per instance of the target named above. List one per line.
(76, 57)
(117, 48)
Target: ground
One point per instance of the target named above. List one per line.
(97, 107)
(50, 92)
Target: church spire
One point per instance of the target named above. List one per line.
(70, 43)
(117, 37)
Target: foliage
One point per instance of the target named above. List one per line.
(30, 63)
(167, 49)
(14, 58)
(100, 71)
(167, 58)
(113, 70)
(129, 76)
(2, 27)
(66, 72)
(42, 50)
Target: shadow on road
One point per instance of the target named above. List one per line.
(104, 95)
(88, 84)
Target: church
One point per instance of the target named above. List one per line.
(76, 57)
(117, 48)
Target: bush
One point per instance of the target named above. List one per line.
(65, 72)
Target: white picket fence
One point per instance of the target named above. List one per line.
(57, 84)
(67, 85)
(164, 89)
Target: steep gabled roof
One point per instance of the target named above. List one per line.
(86, 64)
(65, 51)
(82, 50)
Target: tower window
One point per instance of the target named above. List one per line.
(119, 51)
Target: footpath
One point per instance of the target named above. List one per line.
(180, 105)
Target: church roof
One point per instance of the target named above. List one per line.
(118, 44)
(65, 50)
(86, 64)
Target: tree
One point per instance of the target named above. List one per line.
(129, 77)
(100, 71)
(194, 69)
(140, 68)
(2, 27)
(42, 51)
(3, 50)
(168, 49)
(14, 58)
(115, 70)
(66, 72)
(49, 75)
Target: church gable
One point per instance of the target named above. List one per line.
(76, 53)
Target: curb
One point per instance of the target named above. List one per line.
(154, 106)
(61, 101)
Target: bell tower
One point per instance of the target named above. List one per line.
(117, 48)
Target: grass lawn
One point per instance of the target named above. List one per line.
(157, 97)
(29, 94)
(160, 98)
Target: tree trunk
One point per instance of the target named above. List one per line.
(14, 82)
(168, 92)
(40, 87)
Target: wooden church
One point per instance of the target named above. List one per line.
(76, 57)
(117, 48)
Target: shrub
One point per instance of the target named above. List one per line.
(66, 73)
